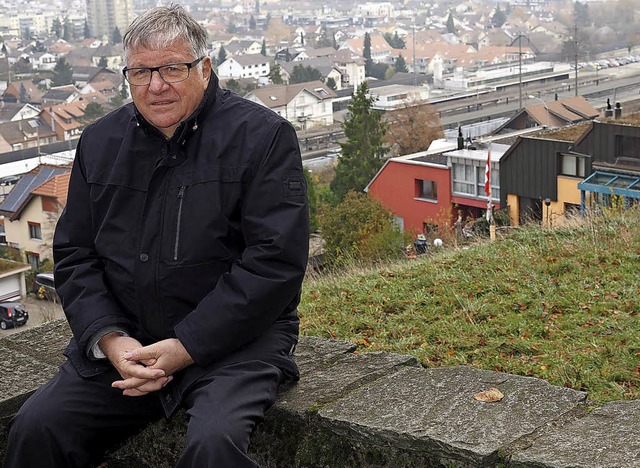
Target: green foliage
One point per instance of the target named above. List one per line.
(56, 27)
(400, 65)
(274, 74)
(394, 41)
(124, 93)
(359, 229)
(103, 62)
(326, 39)
(263, 49)
(556, 304)
(304, 74)
(116, 36)
(67, 30)
(93, 111)
(331, 83)
(232, 28)
(86, 32)
(363, 152)
(252, 23)
(379, 70)
(366, 53)
(222, 55)
(23, 93)
(581, 14)
(498, 18)
(62, 73)
(313, 201)
(451, 28)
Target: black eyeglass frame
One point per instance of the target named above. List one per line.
(189, 65)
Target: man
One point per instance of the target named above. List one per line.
(179, 261)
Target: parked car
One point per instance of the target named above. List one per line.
(44, 287)
(12, 314)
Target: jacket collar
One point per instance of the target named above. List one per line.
(189, 126)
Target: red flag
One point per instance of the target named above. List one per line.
(487, 175)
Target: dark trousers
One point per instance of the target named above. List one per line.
(71, 421)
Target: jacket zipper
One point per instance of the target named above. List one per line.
(178, 222)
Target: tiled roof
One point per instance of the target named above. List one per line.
(17, 199)
(56, 187)
(281, 95)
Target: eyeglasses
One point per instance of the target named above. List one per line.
(171, 73)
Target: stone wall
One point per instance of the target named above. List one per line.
(375, 410)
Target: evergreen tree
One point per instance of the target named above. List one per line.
(312, 196)
(257, 7)
(93, 111)
(301, 38)
(23, 94)
(263, 49)
(124, 93)
(252, 23)
(399, 42)
(116, 36)
(67, 30)
(274, 74)
(62, 73)
(86, 32)
(363, 152)
(103, 62)
(581, 14)
(400, 65)
(366, 53)
(331, 83)
(56, 27)
(302, 74)
(232, 28)
(498, 18)
(222, 55)
(451, 28)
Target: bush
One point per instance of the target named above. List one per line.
(359, 228)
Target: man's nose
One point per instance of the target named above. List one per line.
(156, 83)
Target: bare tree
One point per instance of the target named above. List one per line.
(412, 128)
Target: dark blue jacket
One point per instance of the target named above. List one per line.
(203, 237)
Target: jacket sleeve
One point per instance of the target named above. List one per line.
(79, 272)
(266, 280)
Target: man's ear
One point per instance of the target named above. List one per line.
(206, 68)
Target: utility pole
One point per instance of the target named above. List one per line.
(520, 70)
(415, 72)
(575, 45)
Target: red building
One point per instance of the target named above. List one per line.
(431, 188)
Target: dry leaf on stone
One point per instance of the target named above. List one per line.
(489, 396)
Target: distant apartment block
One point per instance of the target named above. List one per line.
(103, 16)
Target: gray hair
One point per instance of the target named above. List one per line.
(162, 26)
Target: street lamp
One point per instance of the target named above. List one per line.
(547, 202)
(531, 96)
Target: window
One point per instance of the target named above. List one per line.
(573, 166)
(33, 259)
(35, 231)
(426, 189)
(571, 209)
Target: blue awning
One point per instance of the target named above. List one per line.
(623, 185)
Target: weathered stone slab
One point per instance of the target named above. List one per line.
(433, 411)
(608, 436)
(45, 342)
(313, 352)
(325, 385)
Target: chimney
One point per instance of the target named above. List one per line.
(460, 139)
(53, 119)
(617, 113)
(608, 113)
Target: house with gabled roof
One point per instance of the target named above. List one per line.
(12, 111)
(31, 210)
(31, 91)
(66, 120)
(60, 95)
(245, 66)
(323, 64)
(380, 48)
(552, 114)
(305, 105)
(28, 133)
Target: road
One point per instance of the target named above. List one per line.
(39, 312)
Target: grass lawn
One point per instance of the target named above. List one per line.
(558, 304)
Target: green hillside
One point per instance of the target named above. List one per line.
(556, 304)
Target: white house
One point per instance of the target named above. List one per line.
(245, 66)
(305, 105)
(44, 60)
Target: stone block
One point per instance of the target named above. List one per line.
(607, 436)
(433, 412)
